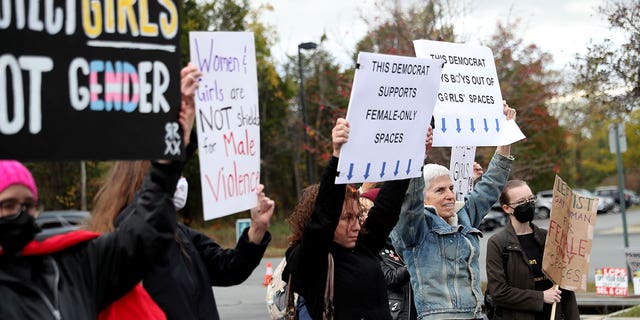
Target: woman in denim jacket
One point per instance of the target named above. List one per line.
(439, 237)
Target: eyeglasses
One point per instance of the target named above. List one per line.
(11, 207)
(350, 218)
(513, 205)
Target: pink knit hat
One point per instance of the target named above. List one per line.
(13, 172)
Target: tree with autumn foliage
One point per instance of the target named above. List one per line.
(274, 95)
(604, 90)
(528, 85)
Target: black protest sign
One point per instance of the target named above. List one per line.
(90, 80)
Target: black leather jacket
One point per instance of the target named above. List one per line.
(398, 285)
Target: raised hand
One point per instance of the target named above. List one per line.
(339, 135)
(510, 113)
(189, 79)
(260, 216)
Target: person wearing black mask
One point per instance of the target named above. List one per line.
(516, 283)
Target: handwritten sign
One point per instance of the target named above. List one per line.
(228, 121)
(389, 110)
(90, 80)
(461, 170)
(611, 281)
(569, 239)
(468, 110)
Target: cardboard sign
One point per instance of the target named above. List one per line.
(228, 121)
(468, 110)
(90, 80)
(569, 239)
(461, 170)
(611, 281)
(389, 111)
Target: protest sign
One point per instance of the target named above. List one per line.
(569, 239)
(90, 80)
(468, 110)
(636, 282)
(611, 281)
(228, 123)
(633, 261)
(461, 170)
(389, 111)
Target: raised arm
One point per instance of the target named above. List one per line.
(126, 253)
(411, 226)
(490, 185)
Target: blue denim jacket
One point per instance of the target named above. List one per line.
(443, 259)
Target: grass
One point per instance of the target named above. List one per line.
(633, 312)
(225, 236)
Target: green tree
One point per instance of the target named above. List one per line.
(605, 90)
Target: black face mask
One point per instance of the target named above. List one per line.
(524, 212)
(16, 231)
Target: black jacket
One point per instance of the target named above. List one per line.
(399, 290)
(78, 282)
(180, 282)
(360, 290)
(513, 289)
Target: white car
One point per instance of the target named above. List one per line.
(543, 204)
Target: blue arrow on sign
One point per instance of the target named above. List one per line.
(444, 125)
(497, 125)
(409, 167)
(350, 175)
(458, 125)
(384, 164)
(473, 129)
(486, 126)
(366, 172)
(395, 172)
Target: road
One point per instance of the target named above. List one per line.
(247, 301)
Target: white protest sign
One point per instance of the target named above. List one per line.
(227, 119)
(611, 281)
(389, 110)
(468, 110)
(461, 170)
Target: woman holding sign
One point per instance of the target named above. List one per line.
(440, 241)
(327, 223)
(516, 284)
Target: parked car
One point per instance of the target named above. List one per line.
(543, 204)
(612, 191)
(60, 221)
(605, 203)
(494, 219)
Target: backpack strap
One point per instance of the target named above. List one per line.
(328, 290)
(291, 306)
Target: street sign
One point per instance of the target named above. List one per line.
(622, 137)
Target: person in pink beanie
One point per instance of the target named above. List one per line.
(19, 207)
(82, 274)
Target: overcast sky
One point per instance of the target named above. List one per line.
(560, 27)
